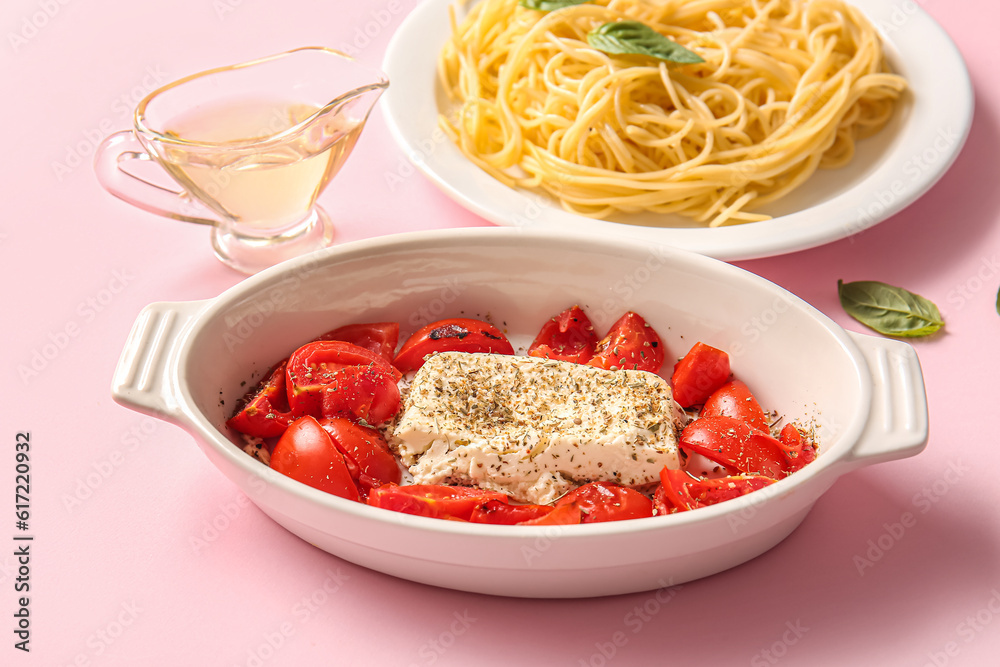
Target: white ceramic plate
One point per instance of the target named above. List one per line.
(188, 362)
(889, 172)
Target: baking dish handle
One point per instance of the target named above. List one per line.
(146, 376)
(897, 423)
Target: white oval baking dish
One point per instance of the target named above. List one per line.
(186, 363)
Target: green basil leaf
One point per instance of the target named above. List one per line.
(633, 37)
(998, 302)
(889, 310)
(549, 5)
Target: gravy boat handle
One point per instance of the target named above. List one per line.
(122, 147)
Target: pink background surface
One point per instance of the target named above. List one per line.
(144, 554)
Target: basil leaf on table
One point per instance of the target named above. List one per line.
(549, 5)
(633, 37)
(889, 310)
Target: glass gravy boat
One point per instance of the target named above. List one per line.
(251, 146)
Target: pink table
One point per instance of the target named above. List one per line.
(144, 554)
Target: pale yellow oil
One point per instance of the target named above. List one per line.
(245, 169)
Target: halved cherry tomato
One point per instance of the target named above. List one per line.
(702, 370)
(459, 334)
(607, 501)
(680, 492)
(569, 336)
(367, 449)
(736, 445)
(432, 500)
(306, 453)
(312, 367)
(798, 450)
(672, 495)
(734, 399)
(630, 344)
(502, 513)
(361, 392)
(378, 337)
(265, 412)
(560, 516)
(713, 491)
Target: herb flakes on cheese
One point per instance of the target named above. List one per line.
(534, 428)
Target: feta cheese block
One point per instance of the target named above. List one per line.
(534, 428)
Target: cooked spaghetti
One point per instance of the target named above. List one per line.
(786, 87)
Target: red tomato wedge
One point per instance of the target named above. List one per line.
(378, 337)
(607, 501)
(702, 371)
(432, 500)
(265, 412)
(630, 344)
(798, 450)
(734, 399)
(361, 392)
(374, 463)
(569, 336)
(561, 516)
(501, 513)
(736, 445)
(680, 492)
(312, 367)
(457, 334)
(306, 453)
